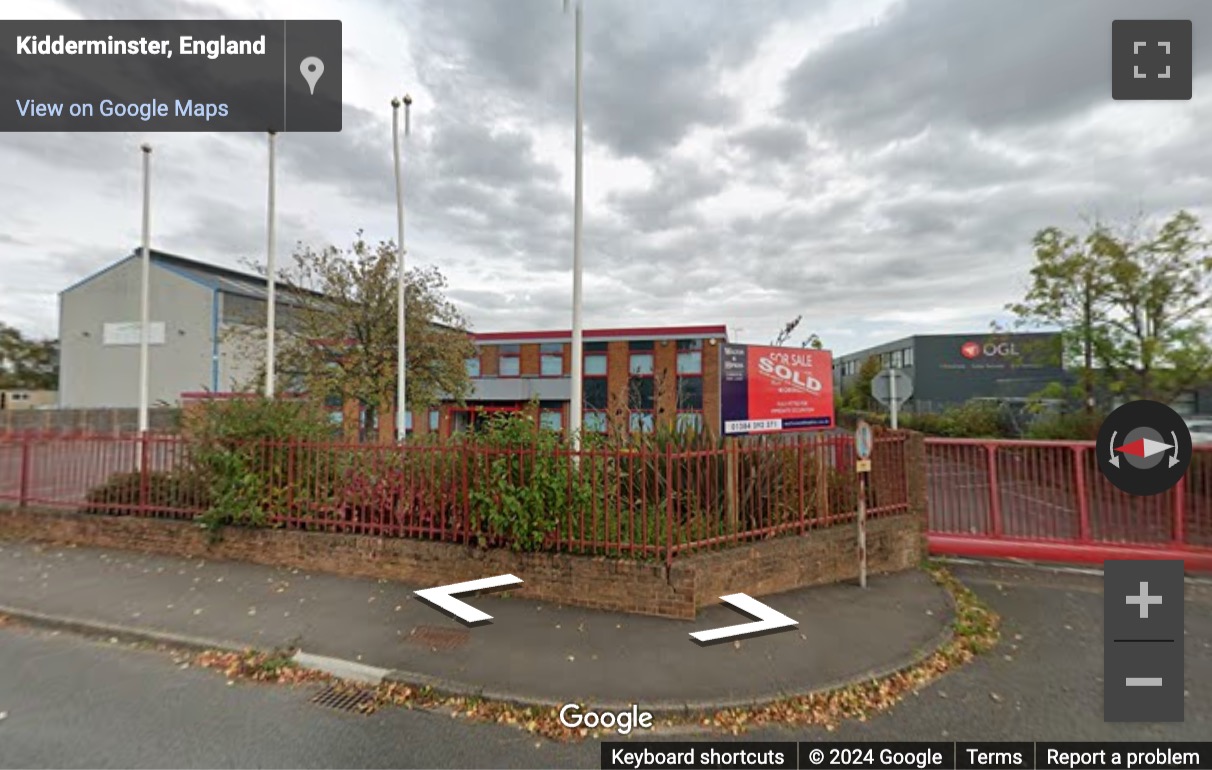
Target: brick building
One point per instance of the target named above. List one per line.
(634, 380)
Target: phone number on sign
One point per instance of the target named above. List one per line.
(743, 426)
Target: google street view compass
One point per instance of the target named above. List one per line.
(1144, 448)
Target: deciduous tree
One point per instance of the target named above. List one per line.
(1131, 305)
(342, 338)
(28, 364)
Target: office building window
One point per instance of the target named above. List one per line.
(594, 388)
(473, 366)
(594, 422)
(641, 365)
(908, 356)
(510, 360)
(690, 421)
(641, 388)
(690, 394)
(642, 392)
(897, 360)
(551, 419)
(551, 359)
(595, 364)
(690, 385)
(690, 357)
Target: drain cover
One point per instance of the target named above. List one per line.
(346, 699)
(439, 637)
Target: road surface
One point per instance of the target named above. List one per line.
(73, 702)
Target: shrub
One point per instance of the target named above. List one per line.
(169, 494)
(261, 457)
(522, 482)
(413, 487)
(1065, 427)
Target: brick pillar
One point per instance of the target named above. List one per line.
(665, 373)
(711, 386)
(528, 364)
(916, 485)
(618, 374)
(489, 361)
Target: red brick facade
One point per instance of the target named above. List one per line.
(664, 342)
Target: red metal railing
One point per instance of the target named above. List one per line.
(1047, 500)
(644, 503)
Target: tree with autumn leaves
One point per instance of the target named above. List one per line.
(25, 363)
(1133, 305)
(339, 336)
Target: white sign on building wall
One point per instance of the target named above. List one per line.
(128, 333)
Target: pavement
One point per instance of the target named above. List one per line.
(76, 701)
(532, 652)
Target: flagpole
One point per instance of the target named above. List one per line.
(271, 270)
(577, 400)
(145, 296)
(401, 297)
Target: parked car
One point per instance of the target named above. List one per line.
(1201, 429)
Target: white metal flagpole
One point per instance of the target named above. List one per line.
(401, 294)
(577, 399)
(271, 272)
(145, 296)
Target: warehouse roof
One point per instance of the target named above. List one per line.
(211, 276)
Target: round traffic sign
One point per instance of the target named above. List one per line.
(863, 440)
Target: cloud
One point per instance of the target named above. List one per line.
(879, 167)
(990, 66)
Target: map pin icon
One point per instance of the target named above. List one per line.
(312, 68)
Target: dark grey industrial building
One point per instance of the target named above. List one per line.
(949, 369)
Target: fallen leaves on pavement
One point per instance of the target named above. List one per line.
(276, 666)
(974, 631)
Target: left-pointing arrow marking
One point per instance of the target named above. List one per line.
(442, 597)
(768, 621)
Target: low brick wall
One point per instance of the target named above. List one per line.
(819, 556)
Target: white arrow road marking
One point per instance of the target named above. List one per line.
(768, 619)
(442, 597)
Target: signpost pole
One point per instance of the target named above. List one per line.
(862, 530)
(864, 444)
(892, 396)
(730, 485)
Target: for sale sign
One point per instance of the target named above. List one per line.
(770, 389)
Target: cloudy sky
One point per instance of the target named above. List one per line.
(878, 167)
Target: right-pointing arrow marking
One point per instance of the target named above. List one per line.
(442, 597)
(768, 619)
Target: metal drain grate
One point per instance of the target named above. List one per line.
(439, 637)
(345, 699)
